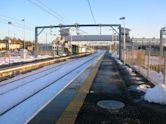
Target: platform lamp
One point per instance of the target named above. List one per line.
(9, 23)
(8, 42)
(23, 20)
(124, 38)
(124, 44)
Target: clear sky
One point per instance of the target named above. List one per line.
(143, 17)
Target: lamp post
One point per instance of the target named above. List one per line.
(124, 32)
(124, 44)
(23, 20)
(9, 23)
(8, 43)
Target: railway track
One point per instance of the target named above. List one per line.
(23, 77)
(10, 85)
(16, 64)
(33, 76)
(11, 71)
(34, 89)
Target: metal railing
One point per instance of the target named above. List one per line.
(149, 63)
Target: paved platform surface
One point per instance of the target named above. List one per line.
(113, 82)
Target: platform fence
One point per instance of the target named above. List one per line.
(149, 63)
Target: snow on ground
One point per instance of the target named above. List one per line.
(31, 106)
(140, 87)
(143, 87)
(119, 62)
(33, 84)
(156, 94)
(22, 76)
(32, 76)
(15, 59)
(130, 70)
(155, 77)
(115, 54)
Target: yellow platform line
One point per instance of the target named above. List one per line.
(70, 114)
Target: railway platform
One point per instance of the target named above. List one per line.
(113, 83)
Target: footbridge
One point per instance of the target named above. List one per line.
(116, 27)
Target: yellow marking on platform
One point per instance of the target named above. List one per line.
(70, 114)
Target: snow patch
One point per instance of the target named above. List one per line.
(130, 70)
(16, 59)
(119, 62)
(156, 94)
(115, 54)
(156, 78)
(143, 87)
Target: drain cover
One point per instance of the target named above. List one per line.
(110, 104)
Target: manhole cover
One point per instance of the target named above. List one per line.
(110, 104)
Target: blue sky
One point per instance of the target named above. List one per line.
(143, 17)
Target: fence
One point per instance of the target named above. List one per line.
(149, 63)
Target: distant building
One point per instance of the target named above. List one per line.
(15, 44)
(9, 45)
(3, 45)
